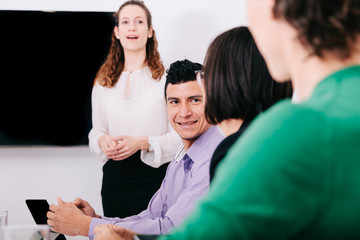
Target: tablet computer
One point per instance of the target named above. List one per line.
(38, 209)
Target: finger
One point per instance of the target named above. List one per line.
(106, 142)
(117, 147)
(60, 201)
(50, 215)
(98, 228)
(110, 226)
(111, 155)
(53, 207)
(119, 153)
(127, 153)
(104, 146)
(50, 222)
(107, 146)
(110, 146)
(52, 228)
(109, 143)
(124, 151)
(125, 233)
(121, 144)
(111, 151)
(101, 228)
(123, 156)
(77, 201)
(80, 202)
(118, 138)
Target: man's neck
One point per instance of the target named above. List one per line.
(189, 142)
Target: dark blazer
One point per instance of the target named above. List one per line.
(224, 147)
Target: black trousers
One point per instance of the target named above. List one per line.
(128, 186)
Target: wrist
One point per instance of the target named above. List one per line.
(144, 143)
(85, 226)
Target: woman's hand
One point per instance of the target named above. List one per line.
(112, 232)
(128, 145)
(122, 147)
(108, 146)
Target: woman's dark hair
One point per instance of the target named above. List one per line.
(237, 82)
(324, 26)
(113, 66)
(181, 71)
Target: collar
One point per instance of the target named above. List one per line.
(201, 145)
(180, 154)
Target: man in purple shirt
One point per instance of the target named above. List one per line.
(187, 176)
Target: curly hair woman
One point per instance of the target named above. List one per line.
(131, 133)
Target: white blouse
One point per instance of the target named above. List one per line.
(141, 114)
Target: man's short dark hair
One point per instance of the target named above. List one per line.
(180, 72)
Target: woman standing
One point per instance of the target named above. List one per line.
(130, 125)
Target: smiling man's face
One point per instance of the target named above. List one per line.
(186, 111)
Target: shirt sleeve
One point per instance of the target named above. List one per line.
(157, 219)
(99, 123)
(162, 148)
(148, 221)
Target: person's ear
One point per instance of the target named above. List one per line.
(116, 32)
(150, 32)
(270, 7)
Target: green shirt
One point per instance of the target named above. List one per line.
(294, 174)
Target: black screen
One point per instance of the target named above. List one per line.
(38, 209)
(48, 62)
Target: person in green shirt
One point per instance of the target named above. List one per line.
(294, 173)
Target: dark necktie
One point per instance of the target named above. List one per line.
(187, 163)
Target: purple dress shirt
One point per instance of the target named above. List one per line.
(186, 181)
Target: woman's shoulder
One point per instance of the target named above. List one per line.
(292, 114)
(99, 89)
(147, 75)
(288, 124)
(98, 86)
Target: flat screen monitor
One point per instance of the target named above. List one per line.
(48, 62)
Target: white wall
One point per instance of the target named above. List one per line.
(184, 29)
(47, 172)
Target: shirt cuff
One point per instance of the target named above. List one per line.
(95, 148)
(152, 157)
(94, 222)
